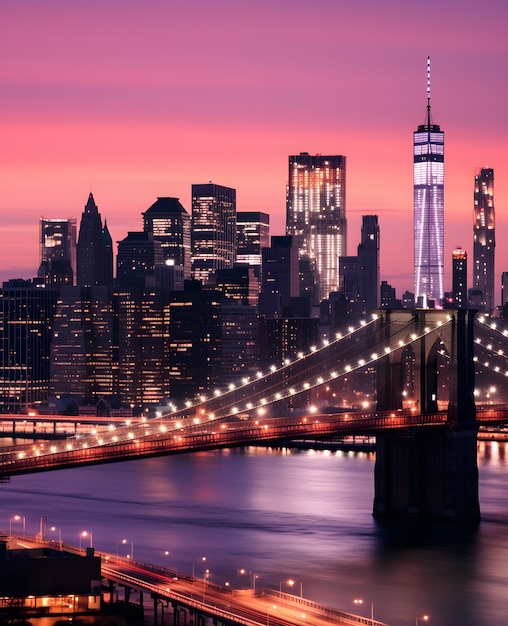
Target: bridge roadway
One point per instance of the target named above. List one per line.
(221, 603)
(158, 437)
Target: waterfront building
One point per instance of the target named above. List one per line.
(316, 215)
(428, 172)
(484, 238)
(26, 320)
(459, 278)
(213, 231)
(253, 234)
(168, 222)
(94, 249)
(57, 244)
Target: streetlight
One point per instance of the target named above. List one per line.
(54, 529)
(125, 542)
(360, 601)
(425, 618)
(203, 560)
(85, 533)
(16, 518)
(291, 582)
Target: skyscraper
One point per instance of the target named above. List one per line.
(213, 230)
(168, 222)
(459, 278)
(57, 242)
(484, 237)
(316, 215)
(428, 171)
(94, 250)
(253, 233)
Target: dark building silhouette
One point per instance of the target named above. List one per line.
(57, 243)
(459, 278)
(168, 222)
(283, 338)
(94, 249)
(253, 234)
(359, 275)
(484, 238)
(239, 283)
(195, 328)
(239, 341)
(138, 255)
(316, 215)
(26, 321)
(279, 276)
(213, 230)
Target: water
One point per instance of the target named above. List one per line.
(284, 515)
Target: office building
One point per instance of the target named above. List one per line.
(253, 234)
(94, 249)
(239, 341)
(168, 222)
(484, 238)
(279, 276)
(213, 231)
(138, 255)
(316, 215)
(84, 346)
(195, 329)
(26, 321)
(359, 275)
(57, 244)
(428, 171)
(459, 278)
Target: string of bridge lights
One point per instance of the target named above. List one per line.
(139, 430)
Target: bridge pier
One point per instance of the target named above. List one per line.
(429, 472)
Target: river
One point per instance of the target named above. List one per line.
(280, 515)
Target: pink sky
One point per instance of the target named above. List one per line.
(133, 100)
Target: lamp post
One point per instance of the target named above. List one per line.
(203, 560)
(16, 518)
(125, 542)
(424, 618)
(54, 529)
(360, 601)
(85, 533)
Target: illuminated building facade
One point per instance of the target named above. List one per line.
(168, 222)
(253, 234)
(57, 243)
(484, 238)
(213, 230)
(428, 164)
(316, 215)
(26, 319)
(459, 278)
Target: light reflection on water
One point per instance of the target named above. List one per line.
(286, 514)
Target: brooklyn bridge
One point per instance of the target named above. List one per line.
(427, 368)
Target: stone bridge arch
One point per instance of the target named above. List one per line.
(428, 471)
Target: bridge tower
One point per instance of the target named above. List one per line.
(428, 472)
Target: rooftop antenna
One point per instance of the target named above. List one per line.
(428, 92)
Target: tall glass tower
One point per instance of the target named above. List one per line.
(428, 172)
(484, 237)
(316, 215)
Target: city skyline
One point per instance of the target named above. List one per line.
(145, 101)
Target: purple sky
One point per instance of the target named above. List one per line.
(133, 100)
